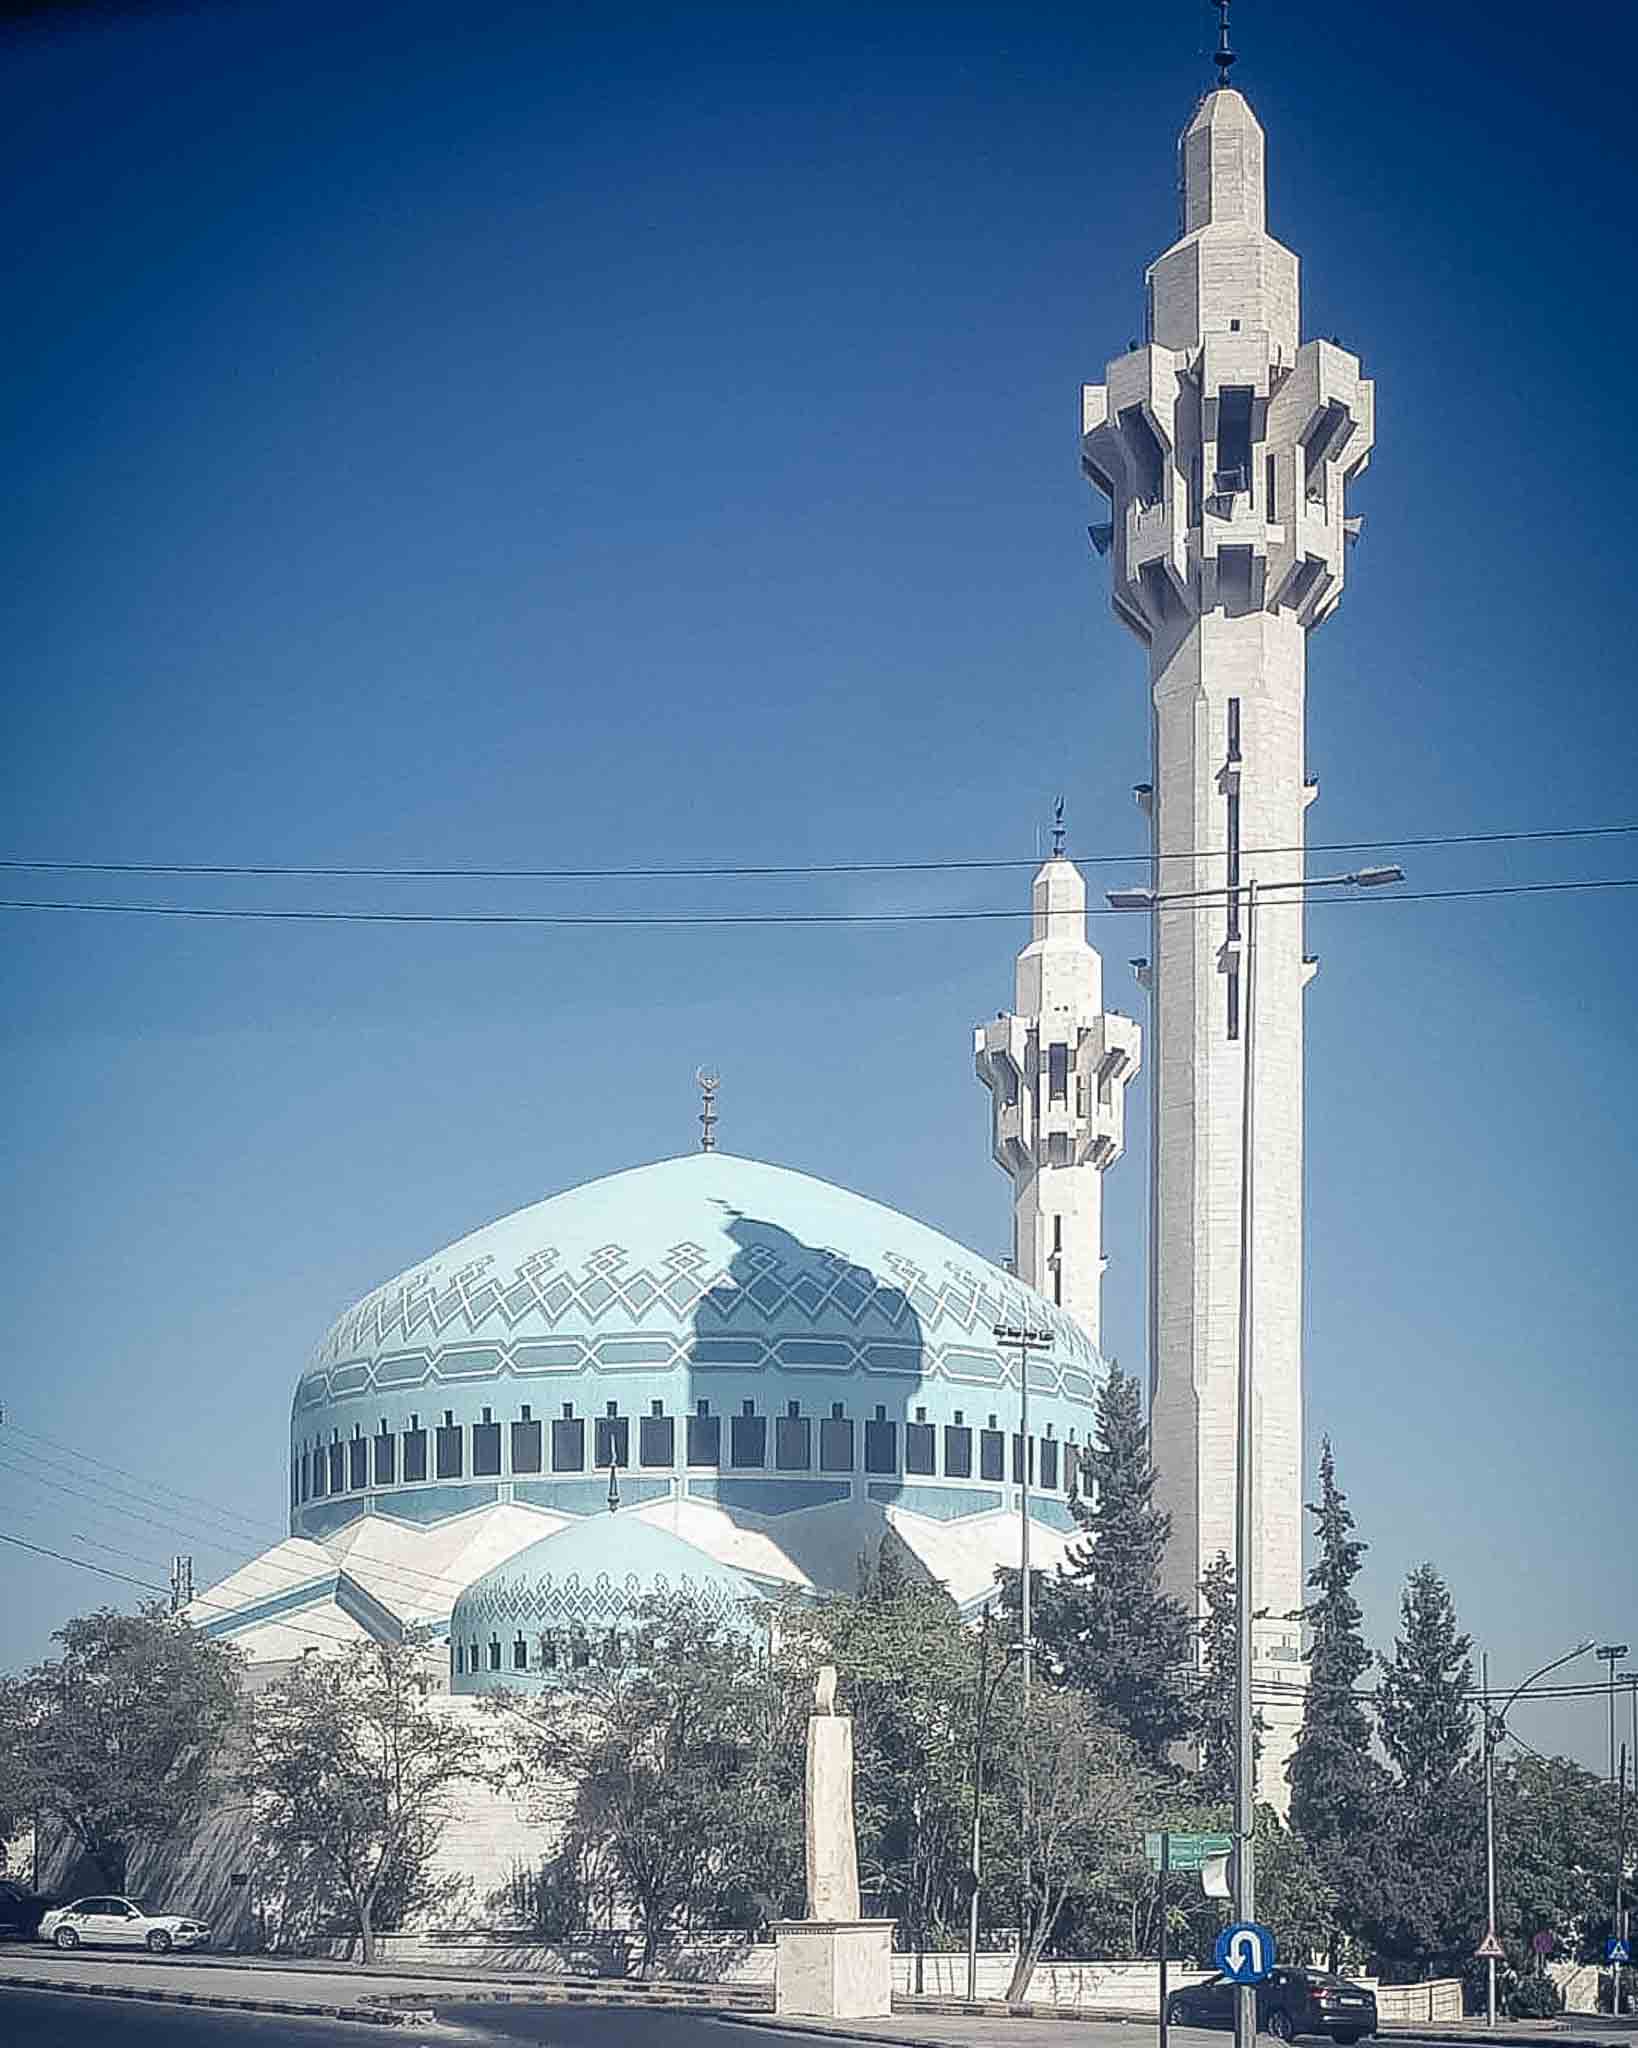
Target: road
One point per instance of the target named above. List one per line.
(35, 2019)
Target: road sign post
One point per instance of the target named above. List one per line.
(1165, 1933)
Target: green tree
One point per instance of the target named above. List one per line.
(1424, 1714)
(1090, 1792)
(123, 1733)
(1336, 1786)
(1101, 1621)
(1217, 1704)
(351, 1773)
(666, 1758)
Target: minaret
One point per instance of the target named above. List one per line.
(1057, 1071)
(1224, 446)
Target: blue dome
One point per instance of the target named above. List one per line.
(705, 1316)
(533, 1618)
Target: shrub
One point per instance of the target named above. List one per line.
(1535, 1998)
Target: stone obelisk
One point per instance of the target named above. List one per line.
(832, 1965)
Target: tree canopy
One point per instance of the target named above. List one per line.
(121, 1736)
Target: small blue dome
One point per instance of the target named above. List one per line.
(529, 1621)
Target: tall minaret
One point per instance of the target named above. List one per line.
(1057, 1071)
(1224, 446)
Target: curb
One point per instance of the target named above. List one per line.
(289, 2008)
(998, 2009)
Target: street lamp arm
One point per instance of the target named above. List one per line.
(1580, 1650)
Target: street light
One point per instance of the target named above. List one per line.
(1495, 1727)
(987, 1689)
(1245, 1808)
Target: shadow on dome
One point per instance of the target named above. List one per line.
(804, 1372)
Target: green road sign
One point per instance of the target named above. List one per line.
(1187, 1852)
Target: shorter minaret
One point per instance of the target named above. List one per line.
(1057, 1071)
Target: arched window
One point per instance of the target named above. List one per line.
(520, 1652)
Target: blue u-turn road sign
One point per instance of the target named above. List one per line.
(1245, 1952)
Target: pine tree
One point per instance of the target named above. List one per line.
(1427, 1724)
(1217, 1716)
(1336, 1787)
(1101, 1621)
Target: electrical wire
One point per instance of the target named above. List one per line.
(718, 920)
(292, 871)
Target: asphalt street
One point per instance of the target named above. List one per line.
(32, 2019)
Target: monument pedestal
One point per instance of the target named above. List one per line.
(833, 1969)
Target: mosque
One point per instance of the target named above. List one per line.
(715, 1374)
(706, 1375)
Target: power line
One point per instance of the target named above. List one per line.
(722, 919)
(294, 871)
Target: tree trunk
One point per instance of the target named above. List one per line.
(112, 1860)
(366, 1929)
(651, 1942)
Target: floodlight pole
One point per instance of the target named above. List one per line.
(1245, 1789)
(1027, 1340)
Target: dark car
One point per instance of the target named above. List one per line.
(1289, 2003)
(21, 1910)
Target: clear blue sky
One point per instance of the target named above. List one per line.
(502, 436)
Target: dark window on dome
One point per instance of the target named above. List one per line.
(656, 1440)
(548, 1650)
(494, 1653)
(748, 1439)
(918, 1447)
(295, 1483)
(448, 1450)
(526, 1445)
(793, 1443)
(836, 1442)
(358, 1464)
(460, 1660)
(338, 1475)
(1049, 1463)
(569, 1445)
(415, 1451)
(579, 1648)
(520, 1652)
(992, 1453)
(704, 1436)
(958, 1451)
(613, 1441)
(386, 1456)
(306, 1474)
(486, 1449)
(881, 1445)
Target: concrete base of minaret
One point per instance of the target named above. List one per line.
(833, 1969)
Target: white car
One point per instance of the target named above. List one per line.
(109, 1922)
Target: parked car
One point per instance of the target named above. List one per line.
(21, 1910)
(1289, 2003)
(107, 1921)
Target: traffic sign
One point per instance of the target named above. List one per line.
(1617, 1951)
(1245, 1952)
(1187, 1852)
(1490, 1950)
(1544, 1943)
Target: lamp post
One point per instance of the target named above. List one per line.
(1495, 1727)
(1027, 1340)
(987, 1689)
(1247, 894)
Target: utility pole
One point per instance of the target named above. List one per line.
(181, 1583)
(1245, 1741)
(1620, 1877)
(1611, 1654)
